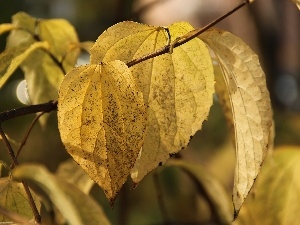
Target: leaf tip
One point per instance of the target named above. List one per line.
(235, 214)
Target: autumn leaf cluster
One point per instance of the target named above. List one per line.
(142, 96)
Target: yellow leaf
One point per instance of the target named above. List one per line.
(102, 120)
(61, 36)
(43, 78)
(70, 171)
(12, 58)
(249, 104)
(276, 193)
(223, 97)
(13, 198)
(177, 88)
(297, 2)
(44, 70)
(24, 36)
(6, 27)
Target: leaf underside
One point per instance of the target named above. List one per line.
(246, 97)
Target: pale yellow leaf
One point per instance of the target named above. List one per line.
(73, 173)
(297, 2)
(177, 87)
(43, 78)
(6, 27)
(276, 193)
(45, 69)
(102, 120)
(61, 36)
(24, 36)
(249, 104)
(15, 57)
(13, 197)
(223, 97)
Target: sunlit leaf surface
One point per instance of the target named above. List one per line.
(177, 88)
(6, 27)
(102, 121)
(12, 58)
(249, 102)
(43, 69)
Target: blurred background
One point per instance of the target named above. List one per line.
(270, 28)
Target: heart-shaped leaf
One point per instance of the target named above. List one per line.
(102, 121)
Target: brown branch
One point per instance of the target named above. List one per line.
(187, 37)
(13, 113)
(9, 148)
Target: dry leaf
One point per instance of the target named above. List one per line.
(102, 120)
(249, 104)
(177, 87)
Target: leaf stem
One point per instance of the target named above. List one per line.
(13, 113)
(35, 211)
(23, 142)
(187, 37)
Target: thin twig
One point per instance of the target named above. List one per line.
(26, 188)
(160, 199)
(187, 37)
(9, 148)
(10, 114)
(13, 113)
(23, 142)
